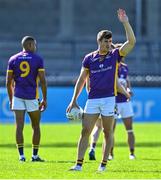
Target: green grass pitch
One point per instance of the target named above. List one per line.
(58, 148)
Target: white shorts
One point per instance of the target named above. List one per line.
(25, 104)
(104, 106)
(125, 109)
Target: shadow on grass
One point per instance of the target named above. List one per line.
(71, 145)
(149, 159)
(136, 171)
(67, 161)
(61, 162)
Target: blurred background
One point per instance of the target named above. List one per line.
(66, 31)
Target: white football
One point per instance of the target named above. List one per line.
(75, 114)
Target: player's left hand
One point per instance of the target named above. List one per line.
(122, 15)
(130, 92)
(128, 95)
(43, 105)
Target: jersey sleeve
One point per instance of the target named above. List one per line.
(118, 54)
(85, 62)
(10, 65)
(121, 54)
(41, 65)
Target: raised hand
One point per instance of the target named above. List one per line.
(122, 15)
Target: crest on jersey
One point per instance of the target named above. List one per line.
(101, 66)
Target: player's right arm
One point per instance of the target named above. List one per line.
(130, 43)
(78, 88)
(9, 85)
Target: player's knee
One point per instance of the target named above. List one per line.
(86, 131)
(36, 128)
(107, 133)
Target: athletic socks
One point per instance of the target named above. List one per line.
(20, 148)
(79, 162)
(35, 149)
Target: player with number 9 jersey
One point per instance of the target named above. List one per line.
(24, 71)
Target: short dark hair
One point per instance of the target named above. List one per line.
(27, 38)
(104, 34)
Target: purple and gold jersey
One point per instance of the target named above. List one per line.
(122, 77)
(25, 67)
(102, 73)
